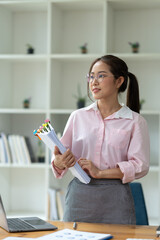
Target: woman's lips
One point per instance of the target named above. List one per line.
(95, 90)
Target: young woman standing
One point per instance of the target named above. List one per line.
(110, 141)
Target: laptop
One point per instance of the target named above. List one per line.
(24, 224)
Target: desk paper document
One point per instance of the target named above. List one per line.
(68, 234)
(49, 137)
(18, 238)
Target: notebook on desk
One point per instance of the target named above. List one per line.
(25, 224)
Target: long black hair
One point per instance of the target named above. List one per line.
(119, 68)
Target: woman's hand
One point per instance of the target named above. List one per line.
(65, 160)
(89, 167)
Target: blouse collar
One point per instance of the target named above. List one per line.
(123, 112)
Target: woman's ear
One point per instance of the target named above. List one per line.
(119, 81)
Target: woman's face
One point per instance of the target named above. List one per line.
(102, 83)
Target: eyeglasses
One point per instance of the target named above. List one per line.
(100, 77)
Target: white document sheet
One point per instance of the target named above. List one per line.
(68, 234)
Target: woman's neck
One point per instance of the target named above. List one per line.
(107, 108)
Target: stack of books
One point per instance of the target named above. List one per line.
(56, 199)
(15, 149)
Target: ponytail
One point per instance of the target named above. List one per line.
(133, 93)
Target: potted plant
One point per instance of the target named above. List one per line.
(84, 48)
(135, 46)
(142, 101)
(81, 100)
(30, 49)
(26, 102)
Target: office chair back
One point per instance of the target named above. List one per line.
(139, 202)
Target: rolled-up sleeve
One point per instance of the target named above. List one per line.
(67, 142)
(138, 157)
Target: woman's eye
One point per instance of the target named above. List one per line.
(101, 76)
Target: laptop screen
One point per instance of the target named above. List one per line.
(3, 219)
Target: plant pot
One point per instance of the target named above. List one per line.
(41, 159)
(80, 104)
(26, 105)
(135, 50)
(30, 50)
(84, 50)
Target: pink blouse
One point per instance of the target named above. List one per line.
(120, 140)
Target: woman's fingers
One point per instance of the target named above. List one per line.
(83, 162)
(56, 150)
(71, 161)
(68, 158)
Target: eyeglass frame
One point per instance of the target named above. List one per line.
(97, 78)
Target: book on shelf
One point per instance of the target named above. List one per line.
(21, 153)
(52, 211)
(5, 149)
(30, 150)
(60, 197)
(55, 204)
(25, 150)
(2, 154)
(15, 149)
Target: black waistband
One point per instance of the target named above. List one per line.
(95, 181)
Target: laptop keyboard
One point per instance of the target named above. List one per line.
(18, 225)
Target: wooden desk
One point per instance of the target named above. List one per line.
(119, 232)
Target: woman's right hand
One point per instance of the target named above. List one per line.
(65, 160)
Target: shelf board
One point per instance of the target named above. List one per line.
(78, 57)
(57, 111)
(23, 57)
(138, 56)
(154, 169)
(43, 165)
(73, 5)
(91, 57)
(150, 112)
(32, 165)
(136, 4)
(61, 111)
(25, 5)
(22, 111)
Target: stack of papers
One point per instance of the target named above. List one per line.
(50, 139)
(67, 234)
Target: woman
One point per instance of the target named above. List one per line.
(110, 142)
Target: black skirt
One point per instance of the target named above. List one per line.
(100, 201)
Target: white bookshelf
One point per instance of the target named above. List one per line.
(57, 28)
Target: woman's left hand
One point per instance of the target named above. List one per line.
(89, 167)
